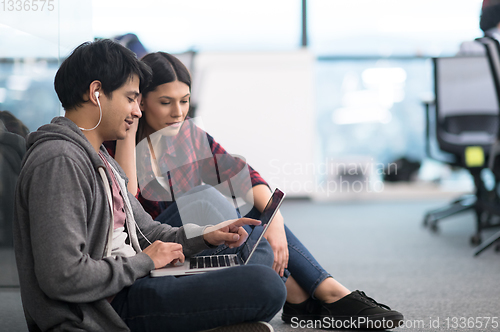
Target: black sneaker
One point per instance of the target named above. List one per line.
(358, 311)
(309, 309)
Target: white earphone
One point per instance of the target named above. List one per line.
(96, 94)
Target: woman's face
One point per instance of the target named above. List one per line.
(166, 106)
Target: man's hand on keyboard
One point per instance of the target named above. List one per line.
(229, 232)
(163, 253)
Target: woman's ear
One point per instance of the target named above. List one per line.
(141, 103)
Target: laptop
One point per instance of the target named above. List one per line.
(202, 264)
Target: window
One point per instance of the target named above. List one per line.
(216, 25)
(391, 27)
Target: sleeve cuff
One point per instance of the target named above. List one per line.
(195, 239)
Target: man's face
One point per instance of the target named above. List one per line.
(119, 110)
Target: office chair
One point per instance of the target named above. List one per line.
(492, 47)
(466, 113)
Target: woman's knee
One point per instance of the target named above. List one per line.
(204, 190)
(205, 206)
(263, 254)
(266, 283)
(206, 194)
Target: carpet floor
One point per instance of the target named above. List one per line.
(382, 249)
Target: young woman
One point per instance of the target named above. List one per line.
(174, 156)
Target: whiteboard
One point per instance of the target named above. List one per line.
(261, 106)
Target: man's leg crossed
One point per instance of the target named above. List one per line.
(202, 302)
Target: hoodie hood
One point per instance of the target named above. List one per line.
(61, 128)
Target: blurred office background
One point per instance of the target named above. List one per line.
(351, 75)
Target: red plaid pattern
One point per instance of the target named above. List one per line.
(186, 164)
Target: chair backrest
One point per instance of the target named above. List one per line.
(492, 48)
(466, 105)
(464, 86)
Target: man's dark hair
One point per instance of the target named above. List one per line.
(490, 15)
(104, 60)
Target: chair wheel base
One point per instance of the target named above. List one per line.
(427, 220)
(475, 240)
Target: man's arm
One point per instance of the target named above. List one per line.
(66, 234)
(228, 232)
(154, 230)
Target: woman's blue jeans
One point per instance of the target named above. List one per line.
(301, 263)
(253, 292)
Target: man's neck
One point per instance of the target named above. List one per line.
(93, 139)
(92, 135)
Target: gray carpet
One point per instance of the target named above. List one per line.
(382, 249)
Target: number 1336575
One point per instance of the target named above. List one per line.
(471, 322)
(26, 5)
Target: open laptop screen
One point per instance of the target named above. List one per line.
(266, 217)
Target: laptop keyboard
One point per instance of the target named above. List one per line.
(202, 262)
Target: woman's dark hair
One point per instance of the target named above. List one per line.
(104, 60)
(165, 68)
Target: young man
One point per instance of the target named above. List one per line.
(84, 246)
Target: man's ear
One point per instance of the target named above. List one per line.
(95, 91)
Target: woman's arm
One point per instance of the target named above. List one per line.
(261, 192)
(125, 156)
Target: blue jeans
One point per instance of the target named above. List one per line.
(301, 263)
(253, 292)
(203, 301)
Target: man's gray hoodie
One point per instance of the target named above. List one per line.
(62, 219)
